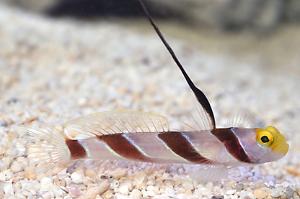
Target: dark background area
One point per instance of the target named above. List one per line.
(232, 15)
(104, 8)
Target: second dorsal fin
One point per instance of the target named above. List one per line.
(114, 122)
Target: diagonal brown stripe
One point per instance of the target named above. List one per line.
(182, 147)
(232, 144)
(76, 149)
(122, 146)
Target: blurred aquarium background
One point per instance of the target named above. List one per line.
(60, 59)
(224, 41)
(267, 31)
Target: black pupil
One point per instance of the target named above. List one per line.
(264, 139)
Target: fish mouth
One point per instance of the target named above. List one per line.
(285, 148)
(281, 149)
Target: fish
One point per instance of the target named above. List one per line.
(147, 137)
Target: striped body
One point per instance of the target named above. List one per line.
(144, 137)
(219, 146)
(140, 136)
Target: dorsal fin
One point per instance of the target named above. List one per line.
(198, 118)
(114, 122)
(244, 118)
(202, 99)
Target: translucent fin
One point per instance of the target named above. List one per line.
(211, 173)
(198, 119)
(47, 148)
(115, 122)
(244, 119)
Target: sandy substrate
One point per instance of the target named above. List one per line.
(52, 71)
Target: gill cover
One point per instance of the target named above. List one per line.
(261, 145)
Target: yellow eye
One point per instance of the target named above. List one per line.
(264, 137)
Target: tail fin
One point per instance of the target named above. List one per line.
(47, 148)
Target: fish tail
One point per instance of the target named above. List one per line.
(47, 148)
